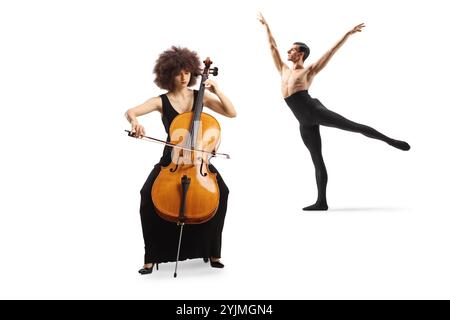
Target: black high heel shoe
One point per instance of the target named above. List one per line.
(214, 264)
(148, 270)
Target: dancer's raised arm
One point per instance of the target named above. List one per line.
(323, 61)
(279, 64)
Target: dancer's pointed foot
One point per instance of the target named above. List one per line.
(402, 145)
(318, 206)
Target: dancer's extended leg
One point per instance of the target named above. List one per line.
(332, 119)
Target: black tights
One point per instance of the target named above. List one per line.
(311, 137)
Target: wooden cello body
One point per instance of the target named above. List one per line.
(186, 191)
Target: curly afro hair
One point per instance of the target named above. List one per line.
(171, 62)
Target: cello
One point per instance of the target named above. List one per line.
(186, 191)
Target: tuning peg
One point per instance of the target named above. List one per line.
(214, 71)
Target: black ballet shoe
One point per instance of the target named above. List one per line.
(148, 270)
(317, 207)
(402, 145)
(205, 260)
(216, 264)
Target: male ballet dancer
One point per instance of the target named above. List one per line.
(310, 112)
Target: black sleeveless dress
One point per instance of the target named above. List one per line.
(160, 236)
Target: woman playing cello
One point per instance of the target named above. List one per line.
(176, 70)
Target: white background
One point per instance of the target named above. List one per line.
(70, 177)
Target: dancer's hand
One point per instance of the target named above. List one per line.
(356, 29)
(261, 19)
